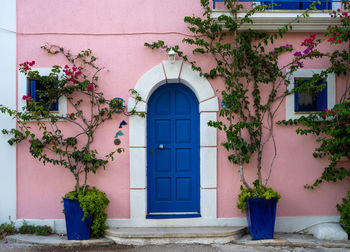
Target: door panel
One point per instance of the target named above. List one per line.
(173, 151)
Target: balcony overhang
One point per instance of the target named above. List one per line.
(271, 21)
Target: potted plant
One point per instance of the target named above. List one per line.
(51, 142)
(255, 87)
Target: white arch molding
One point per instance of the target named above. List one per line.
(177, 72)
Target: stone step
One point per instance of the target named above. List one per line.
(165, 235)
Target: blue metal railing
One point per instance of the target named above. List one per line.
(290, 4)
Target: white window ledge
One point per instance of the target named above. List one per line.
(271, 21)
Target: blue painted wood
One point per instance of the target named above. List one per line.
(173, 177)
(319, 102)
(290, 4)
(33, 88)
(168, 216)
(261, 217)
(76, 228)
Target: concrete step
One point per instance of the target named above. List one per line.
(166, 235)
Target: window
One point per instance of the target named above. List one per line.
(297, 4)
(299, 104)
(31, 87)
(310, 102)
(34, 89)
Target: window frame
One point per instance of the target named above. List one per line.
(23, 84)
(308, 73)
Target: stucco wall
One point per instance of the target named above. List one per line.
(116, 32)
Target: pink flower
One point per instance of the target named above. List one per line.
(326, 110)
(66, 66)
(78, 72)
(324, 115)
(32, 63)
(74, 69)
(339, 41)
(331, 39)
(24, 97)
(30, 141)
(338, 10)
(338, 110)
(332, 16)
(6, 242)
(91, 87)
(337, 33)
(53, 142)
(73, 80)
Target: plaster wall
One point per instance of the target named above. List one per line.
(8, 98)
(116, 32)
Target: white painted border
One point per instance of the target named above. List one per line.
(293, 224)
(22, 90)
(177, 72)
(307, 73)
(7, 98)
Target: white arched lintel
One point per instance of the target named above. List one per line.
(176, 72)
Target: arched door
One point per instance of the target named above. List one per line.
(173, 174)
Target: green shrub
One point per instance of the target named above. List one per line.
(26, 229)
(93, 202)
(33, 229)
(7, 228)
(43, 230)
(256, 192)
(344, 210)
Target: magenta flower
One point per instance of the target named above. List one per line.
(91, 87)
(297, 54)
(288, 46)
(300, 64)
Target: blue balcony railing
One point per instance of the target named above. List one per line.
(290, 4)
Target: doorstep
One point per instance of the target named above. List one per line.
(166, 235)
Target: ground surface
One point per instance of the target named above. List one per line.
(282, 242)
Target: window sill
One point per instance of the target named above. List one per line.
(271, 21)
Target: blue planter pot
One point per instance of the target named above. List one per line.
(76, 228)
(261, 217)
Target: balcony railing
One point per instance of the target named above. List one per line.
(290, 4)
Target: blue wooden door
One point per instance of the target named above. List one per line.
(173, 153)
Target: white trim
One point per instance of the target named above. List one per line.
(22, 90)
(271, 21)
(147, 84)
(293, 224)
(283, 224)
(307, 73)
(8, 98)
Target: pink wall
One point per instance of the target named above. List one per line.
(116, 32)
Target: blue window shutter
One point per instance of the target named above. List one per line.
(33, 92)
(296, 104)
(284, 5)
(54, 106)
(325, 5)
(322, 98)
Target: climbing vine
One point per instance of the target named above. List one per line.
(46, 131)
(247, 61)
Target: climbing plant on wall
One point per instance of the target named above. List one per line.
(247, 61)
